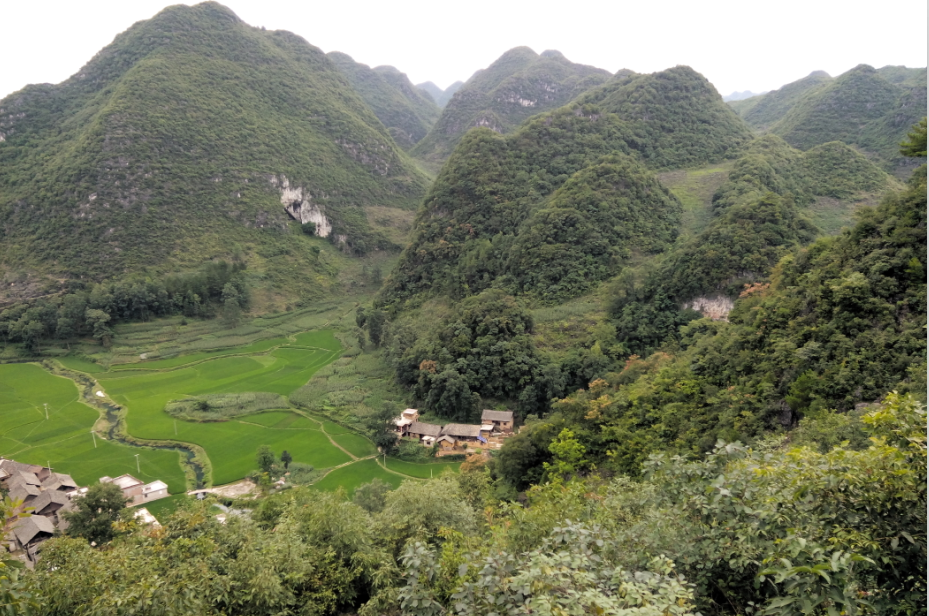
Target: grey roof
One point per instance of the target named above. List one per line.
(49, 497)
(13, 465)
(446, 437)
(462, 430)
(426, 429)
(20, 491)
(27, 528)
(24, 477)
(57, 481)
(497, 415)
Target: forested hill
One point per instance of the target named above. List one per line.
(558, 205)
(184, 136)
(519, 84)
(406, 111)
(440, 96)
(867, 108)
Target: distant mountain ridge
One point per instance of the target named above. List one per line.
(190, 133)
(440, 96)
(403, 108)
(519, 84)
(869, 108)
(738, 96)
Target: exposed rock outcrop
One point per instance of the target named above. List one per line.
(298, 203)
(716, 307)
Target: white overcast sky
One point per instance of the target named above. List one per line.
(736, 44)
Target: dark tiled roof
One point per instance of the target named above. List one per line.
(490, 415)
(28, 528)
(20, 491)
(56, 480)
(49, 497)
(418, 427)
(462, 430)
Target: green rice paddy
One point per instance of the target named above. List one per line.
(64, 440)
(278, 365)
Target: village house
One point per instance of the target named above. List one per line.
(501, 421)
(465, 435)
(31, 531)
(59, 482)
(427, 433)
(406, 418)
(49, 503)
(137, 491)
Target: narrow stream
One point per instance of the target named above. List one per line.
(114, 418)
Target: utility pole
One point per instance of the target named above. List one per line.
(137, 468)
(46, 411)
(94, 436)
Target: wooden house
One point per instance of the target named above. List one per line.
(33, 530)
(423, 431)
(465, 434)
(502, 421)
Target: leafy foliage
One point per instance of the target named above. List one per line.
(222, 407)
(839, 325)
(96, 514)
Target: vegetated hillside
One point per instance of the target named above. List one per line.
(867, 108)
(404, 109)
(186, 138)
(542, 212)
(763, 211)
(841, 323)
(763, 111)
(519, 84)
(440, 96)
(676, 116)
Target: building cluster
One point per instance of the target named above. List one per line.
(48, 494)
(456, 438)
(45, 495)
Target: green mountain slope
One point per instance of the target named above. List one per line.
(560, 204)
(440, 96)
(867, 108)
(766, 208)
(677, 117)
(406, 112)
(519, 84)
(188, 136)
(761, 112)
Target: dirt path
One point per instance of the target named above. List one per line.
(322, 429)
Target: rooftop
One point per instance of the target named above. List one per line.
(462, 430)
(49, 497)
(123, 481)
(27, 528)
(490, 415)
(155, 485)
(418, 427)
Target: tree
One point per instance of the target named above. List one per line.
(97, 320)
(915, 144)
(286, 458)
(309, 228)
(265, 459)
(375, 323)
(95, 513)
(371, 496)
(232, 309)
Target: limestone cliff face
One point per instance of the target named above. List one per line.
(716, 307)
(298, 203)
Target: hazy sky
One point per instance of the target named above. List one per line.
(736, 44)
